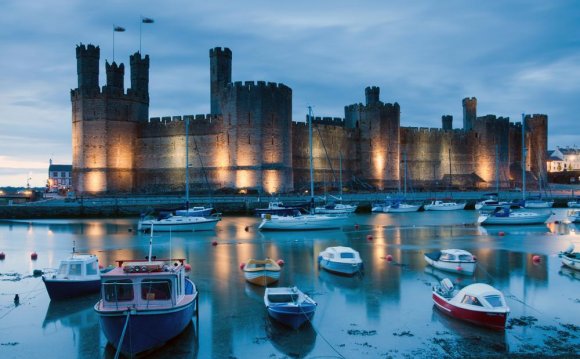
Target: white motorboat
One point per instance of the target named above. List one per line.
(302, 222)
(538, 203)
(505, 215)
(341, 260)
(478, 303)
(77, 275)
(335, 208)
(438, 205)
(452, 260)
(575, 203)
(401, 207)
(570, 258)
(179, 224)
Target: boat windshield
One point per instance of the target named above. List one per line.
(156, 289)
(465, 257)
(494, 300)
(62, 269)
(469, 299)
(92, 268)
(347, 255)
(75, 269)
(282, 298)
(119, 290)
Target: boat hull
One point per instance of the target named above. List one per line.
(301, 223)
(571, 260)
(59, 289)
(457, 267)
(262, 278)
(293, 316)
(147, 329)
(488, 319)
(447, 207)
(401, 209)
(340, 267)
(531, 218)
(187, 226)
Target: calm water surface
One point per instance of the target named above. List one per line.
(386, 312)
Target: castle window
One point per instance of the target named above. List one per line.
(249, 142)
(228, 138)
(249, 119)
(230, 119)
(272, 140)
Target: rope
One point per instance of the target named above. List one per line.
(322, 336)
(118, 352)
(34, 289)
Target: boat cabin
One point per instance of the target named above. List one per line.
(78, 266)
(455, 255)
(143, 284)
(481, 295)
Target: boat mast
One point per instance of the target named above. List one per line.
(523, 156)
(311, 164)
(150, 243)
(340, 178)
(496, 170)
(405, 186)
(187, 163)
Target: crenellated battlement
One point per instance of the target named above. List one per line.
(219, 51)
(257, 86)
(318, 120)
(193, 118)
(88, 50)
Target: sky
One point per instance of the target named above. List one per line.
(514, 56)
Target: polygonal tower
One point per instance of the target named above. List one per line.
(469, 112)
(220, 76)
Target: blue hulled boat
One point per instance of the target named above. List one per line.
(341, 260)
(77, 275)
(289, 306)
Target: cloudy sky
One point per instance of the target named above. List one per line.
(514, 56)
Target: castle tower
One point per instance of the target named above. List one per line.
(537, 144)
(469, 112)
(378, 150)
(372, 95)
(220, 76)
(140, 75)
(88, 68)
(115, 78)
(447, 122)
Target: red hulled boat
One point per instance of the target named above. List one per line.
(478, 303)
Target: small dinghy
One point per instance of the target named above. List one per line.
(479, 304)
(570, 258)
(452, 260)
(77, 275)
(289, 306)
(341, 260)
(261, 271)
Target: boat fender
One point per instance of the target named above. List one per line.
(536, 259)
(280, 262)
(474, 258)
(37, 272)
(187, 267)
(33, 256)
(389, 258)
(242, 265)
(369, 237)
(501, 233)
(459, 269)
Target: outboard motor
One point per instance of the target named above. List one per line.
(447, 286)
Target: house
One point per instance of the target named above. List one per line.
(59, 177)
(563, 159)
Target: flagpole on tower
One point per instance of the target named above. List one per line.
(116, 29)
(144, 20)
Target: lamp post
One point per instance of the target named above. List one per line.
(116, 29)
(144, 20)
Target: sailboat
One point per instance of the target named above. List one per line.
(336, 208)
(304, 221)
(190, 219)
(445, 205)
(490, 201)
(400, 205)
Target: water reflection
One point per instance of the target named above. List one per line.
(296, 343)
(514, 229)
(569, 273)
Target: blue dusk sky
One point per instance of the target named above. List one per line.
(514, 56)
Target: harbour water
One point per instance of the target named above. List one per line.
(385, 312)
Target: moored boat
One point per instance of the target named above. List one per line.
(278, 208)
(538, 203)
(180, 223)
(452, 260)
(401, 207)
(505, 215)
(574, 203)
(289, 306)
(438, 205)
(341, 260)
(199, 211)
(261, 271)
(479, 304)
(302, 222)
(574, 216)
(570, 258)
(144, 304)
(335, 208)
(77, 275)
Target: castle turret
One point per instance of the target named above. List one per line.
(372, 95)
(469, 112)
(88, 68)
(220, 76)
(140, 75)
(447, 122)
(115, 78)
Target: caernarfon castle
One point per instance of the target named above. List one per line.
(249, 141)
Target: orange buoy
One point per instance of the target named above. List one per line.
(33, 255)
(369, 237)
(389, 258)
(280, 262)
(101, 266)
(187, 267)
(459, 269)
(536, 259)
(2, 255)
(214, 243)
(501, 233)
(242, 265)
